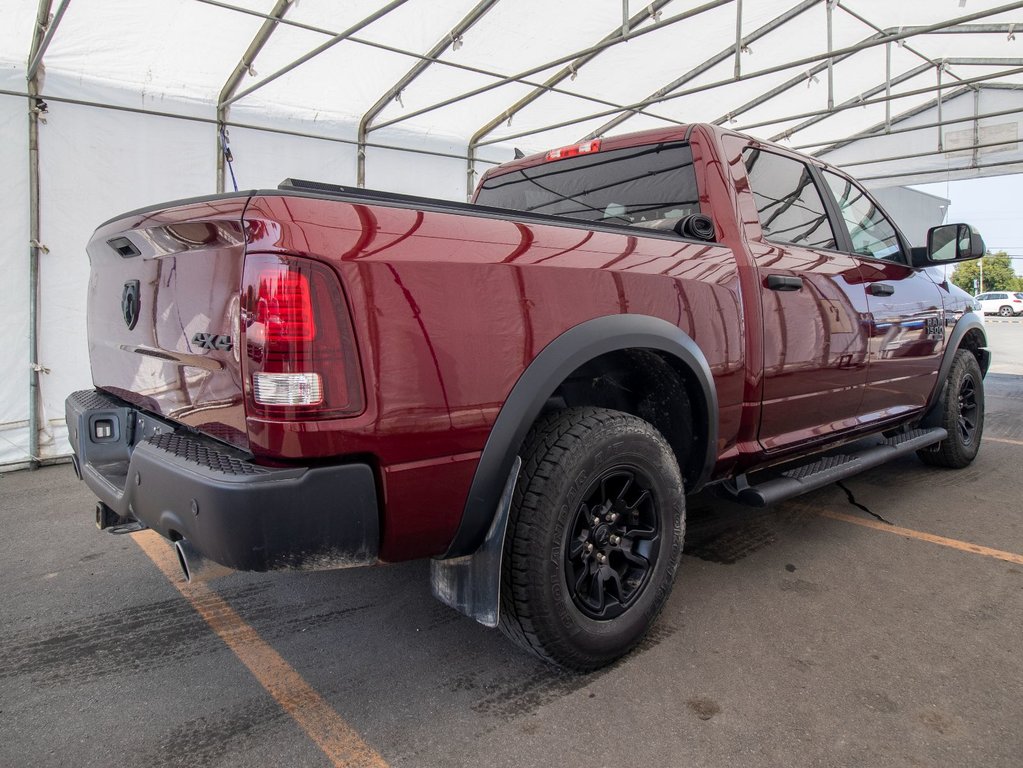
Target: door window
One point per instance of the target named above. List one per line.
(871, 232)
(790, 207)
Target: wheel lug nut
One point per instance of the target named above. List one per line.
(613, 516)
(601, 557)
(596, 521)
(589, 546)
(615, 539)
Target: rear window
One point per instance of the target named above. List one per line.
(643, 186)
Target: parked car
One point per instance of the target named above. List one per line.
(1002, 303)
(523, 388)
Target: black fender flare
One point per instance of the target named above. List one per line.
(968, 322)
(545, 373)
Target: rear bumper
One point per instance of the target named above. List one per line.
(235, 512)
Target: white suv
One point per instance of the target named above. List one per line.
(1004, 303)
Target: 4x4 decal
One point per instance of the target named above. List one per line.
(212, 341)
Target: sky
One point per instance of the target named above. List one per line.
(994, 205)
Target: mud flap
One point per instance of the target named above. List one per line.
(471, 584)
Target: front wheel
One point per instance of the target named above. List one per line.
(594, 538)
(962, 414)
(1005, 312)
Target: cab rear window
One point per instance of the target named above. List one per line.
(645, 186)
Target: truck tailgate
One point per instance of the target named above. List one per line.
(163, 310)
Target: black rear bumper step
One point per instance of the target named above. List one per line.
(830, 469)
(148, 472)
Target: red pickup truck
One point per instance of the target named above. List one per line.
(525, 387)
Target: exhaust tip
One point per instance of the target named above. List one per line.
(182, 560)
(195, 566)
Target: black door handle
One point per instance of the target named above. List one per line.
(882, 289)
(784, 283)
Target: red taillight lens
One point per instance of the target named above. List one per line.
(284, 305)
(586, 148)
(300, 359)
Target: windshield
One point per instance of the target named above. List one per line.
(646, 186)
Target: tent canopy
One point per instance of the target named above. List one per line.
(127, 102)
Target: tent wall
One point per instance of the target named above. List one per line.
(14, 268)
(915, 212)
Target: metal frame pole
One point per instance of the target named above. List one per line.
(941, 139)
(888, 88)
(829, 12)
(738, 38)
(235, 78)
(42, 34)
(36, 59)
(976, 125)
(365, 124)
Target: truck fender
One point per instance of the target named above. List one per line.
(967, 323)
(544, 375)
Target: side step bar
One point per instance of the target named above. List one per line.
(830, 469)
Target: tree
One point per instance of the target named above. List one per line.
(998, 274)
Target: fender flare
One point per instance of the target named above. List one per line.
(968, 322)
(545, 373)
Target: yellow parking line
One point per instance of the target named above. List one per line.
(338, 740)
(1005, 440)
(963, 546)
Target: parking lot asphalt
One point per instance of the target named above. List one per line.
(796, 636)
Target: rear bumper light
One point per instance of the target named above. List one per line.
(287, 388)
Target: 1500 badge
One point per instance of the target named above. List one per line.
(934, 327)
(212, 341)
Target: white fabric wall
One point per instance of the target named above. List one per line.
(14, 269)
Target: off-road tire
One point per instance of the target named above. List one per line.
(965, 425)
(567, 455)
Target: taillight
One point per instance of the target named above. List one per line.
(586, 148)
(299, 358)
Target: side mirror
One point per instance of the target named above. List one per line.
(948, 244)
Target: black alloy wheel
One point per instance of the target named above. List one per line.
(960, 413)
(968, 409)
(612, 544)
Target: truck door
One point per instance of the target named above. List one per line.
(907, 330)
(815, 328)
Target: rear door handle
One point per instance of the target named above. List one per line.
(881, 289)
(784, 283)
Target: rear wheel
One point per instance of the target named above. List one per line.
(594, 538)
(1005, 312)
(962, 414)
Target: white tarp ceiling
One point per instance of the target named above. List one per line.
(117, 73)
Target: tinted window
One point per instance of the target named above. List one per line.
(871, 233)
(790, 207)
(642, 186)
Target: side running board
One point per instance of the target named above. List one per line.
(830, 469)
